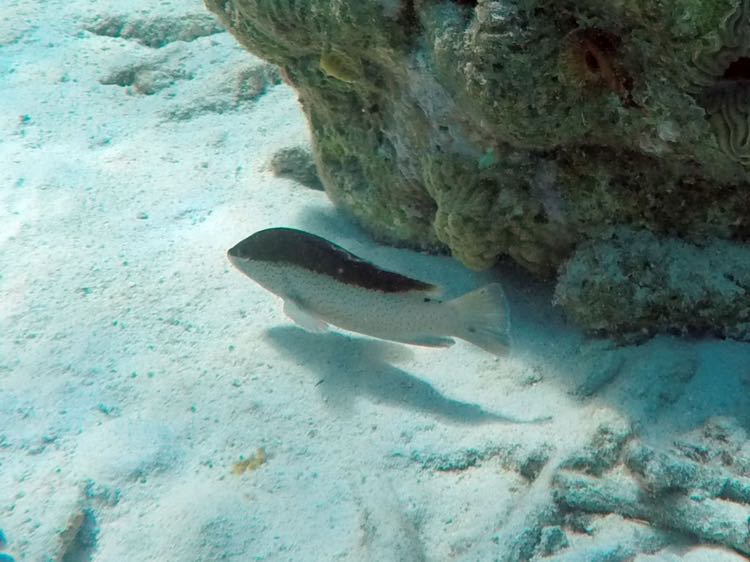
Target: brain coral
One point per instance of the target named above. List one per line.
(535, 130)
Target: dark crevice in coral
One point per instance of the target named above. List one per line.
(594, 57)
(739, 70)
(410, 20)
(592, 62)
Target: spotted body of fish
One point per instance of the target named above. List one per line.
(322, 283)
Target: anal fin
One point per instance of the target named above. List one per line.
(303, 318)
(429, 341)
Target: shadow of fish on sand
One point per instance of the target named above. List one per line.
(350, 367)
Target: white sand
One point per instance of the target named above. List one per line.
(136, 366)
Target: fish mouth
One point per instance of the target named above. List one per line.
(235, 260)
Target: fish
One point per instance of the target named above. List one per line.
(323, 284)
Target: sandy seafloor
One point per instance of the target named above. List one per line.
(137, 367)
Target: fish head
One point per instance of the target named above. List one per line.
(282, 247)
(242, 251)
(246, 256)
(265, 257)
(272, 244)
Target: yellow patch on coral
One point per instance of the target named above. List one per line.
(339, 67)
(250, 463)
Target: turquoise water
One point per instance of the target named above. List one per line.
(156, 404)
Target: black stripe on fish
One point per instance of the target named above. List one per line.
(302, 249)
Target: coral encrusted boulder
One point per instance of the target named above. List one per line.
(604, 142)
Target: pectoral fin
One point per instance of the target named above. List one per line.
(303, 318)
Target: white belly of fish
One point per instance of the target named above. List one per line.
(410, 316)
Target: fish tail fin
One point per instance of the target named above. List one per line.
(483, 318)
